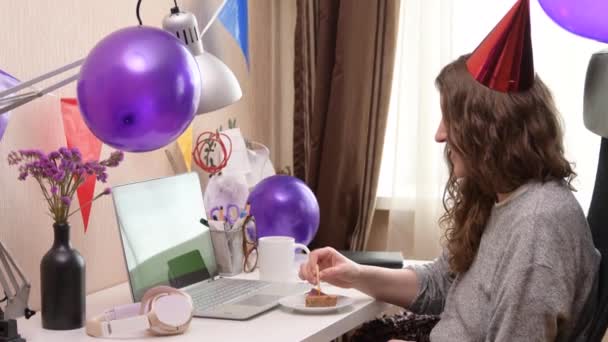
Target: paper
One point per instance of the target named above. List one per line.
(239, 159)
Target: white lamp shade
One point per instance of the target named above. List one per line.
(220, 87)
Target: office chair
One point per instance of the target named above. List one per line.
(598, 222)
(596, 120)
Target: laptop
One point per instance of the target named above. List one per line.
(164, 243)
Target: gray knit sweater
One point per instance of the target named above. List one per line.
(534, 270)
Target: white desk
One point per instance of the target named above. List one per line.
(278, 324)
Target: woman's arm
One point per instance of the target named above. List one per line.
(420, 288)
(398, 287)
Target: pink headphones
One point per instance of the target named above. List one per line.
(163, 310)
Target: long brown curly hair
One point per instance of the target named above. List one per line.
(505, 140)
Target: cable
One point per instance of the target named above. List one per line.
(175, 9)
(137, 12)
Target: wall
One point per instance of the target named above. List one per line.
(41, 35)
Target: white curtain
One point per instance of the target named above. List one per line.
(432, 33)
(413, 173)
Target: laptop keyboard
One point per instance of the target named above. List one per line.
(213, 293)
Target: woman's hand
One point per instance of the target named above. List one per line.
(334, 268)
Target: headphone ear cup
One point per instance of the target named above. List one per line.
(173, 312)
(151, 293)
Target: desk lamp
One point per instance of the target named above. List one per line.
(16, 294)
(220, 87)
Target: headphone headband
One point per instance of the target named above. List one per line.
(141, 316)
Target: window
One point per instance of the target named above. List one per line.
(434, 32)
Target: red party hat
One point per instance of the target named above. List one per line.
(503, 61)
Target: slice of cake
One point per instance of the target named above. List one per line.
(316, 299)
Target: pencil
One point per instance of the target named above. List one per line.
(318, 281)
(221, 213)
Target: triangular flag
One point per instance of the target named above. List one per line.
(78, 135)
(234, 16)
(184, 142)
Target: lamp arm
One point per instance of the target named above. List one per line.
(19, 100)
(213, 17)
(9, 292)
(14, 265)
(17, 296)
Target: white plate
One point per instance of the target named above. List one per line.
(298, 303)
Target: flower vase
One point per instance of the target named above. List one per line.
(62, 283)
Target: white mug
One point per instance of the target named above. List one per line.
(276, 257)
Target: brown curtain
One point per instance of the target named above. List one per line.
(344, 55)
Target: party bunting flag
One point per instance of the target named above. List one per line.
(6, 81)
(234, 16)
(184, 142)
(78, 135)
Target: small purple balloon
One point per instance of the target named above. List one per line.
(139, 89)
(6, 81)
(585, 18)
(284, 205)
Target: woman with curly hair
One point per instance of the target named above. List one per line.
(519, 262)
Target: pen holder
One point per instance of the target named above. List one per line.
(227, 243)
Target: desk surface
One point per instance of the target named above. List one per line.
(279, 324)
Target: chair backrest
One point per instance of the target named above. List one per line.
(598, 222)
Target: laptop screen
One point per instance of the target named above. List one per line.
(163, 240)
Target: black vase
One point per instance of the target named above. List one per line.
(62, 283)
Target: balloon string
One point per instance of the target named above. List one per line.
(137, 12)
(205, 144)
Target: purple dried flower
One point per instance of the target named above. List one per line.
(14, 158)
(114, 160)
(79, 170)
(88, 168)
(61, 169)
(76, 155)
(102, 177)
(48, 173)
(65, 153)
(58, 176)
(66, 200)
(31, 153)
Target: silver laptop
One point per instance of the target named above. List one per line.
(164, 243)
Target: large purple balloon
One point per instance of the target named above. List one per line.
(284, 205)
(585, 18)
(139, 89)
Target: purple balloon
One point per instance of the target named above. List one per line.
(6, 81)
(585, 18)
(139, 89)
(284, 205)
